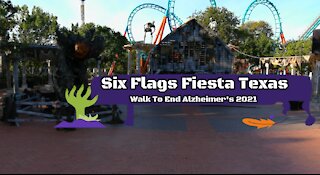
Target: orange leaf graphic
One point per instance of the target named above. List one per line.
(262, 123)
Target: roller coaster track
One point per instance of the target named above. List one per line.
(146, 6)
(278, 30)
(174, 22)
(310, 30)
(170, 15)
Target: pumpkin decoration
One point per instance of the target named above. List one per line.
(81, 50)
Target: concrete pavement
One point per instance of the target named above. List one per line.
(171, 139)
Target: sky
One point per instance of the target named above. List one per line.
(296, 15)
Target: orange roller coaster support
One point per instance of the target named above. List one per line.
(125, 32)
(157, 41)
(113, 66)
(145, 66)
(161, 30)
(283, 39)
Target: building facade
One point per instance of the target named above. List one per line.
(190, 49)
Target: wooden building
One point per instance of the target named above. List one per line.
(191, 49)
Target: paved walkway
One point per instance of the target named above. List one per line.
(167, 140)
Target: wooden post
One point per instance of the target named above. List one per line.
(50, 82)
(267, 68)
(15, 77)
(138, 68)
(292, 69)
(8, 73)
(129, 62)
(99, 67)
(24, 77)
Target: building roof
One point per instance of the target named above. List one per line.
(204, 34)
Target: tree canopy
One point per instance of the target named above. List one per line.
(257, 28)
(255, 38)
(227, 22)
(36, 27)
(296, 48)
(252, 38)
(7, 21)
(23, 26)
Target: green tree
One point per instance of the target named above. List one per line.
(36, 27)
(255, 38)
(257, 28)
(7, 24)
(227, 22)
(114, 46)
(33, 27)
(114, 42)
(7, 20)
(296, 48)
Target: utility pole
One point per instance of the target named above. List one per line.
(82, 12)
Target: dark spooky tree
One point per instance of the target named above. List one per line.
(76, 49)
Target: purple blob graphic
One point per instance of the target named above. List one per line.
(272, 117)
(80, 124)
(310, 121)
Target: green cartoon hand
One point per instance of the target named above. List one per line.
(81, 103)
